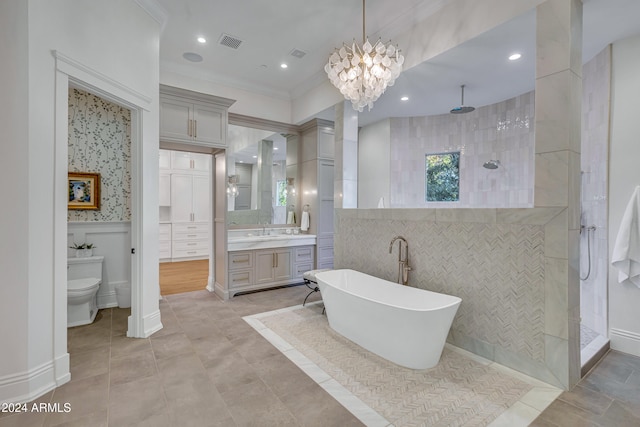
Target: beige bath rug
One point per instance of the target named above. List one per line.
(459, 391)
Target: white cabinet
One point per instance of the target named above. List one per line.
(187, 116)
(184, 198)
(303, 260)
(189, 198)
(186, 161)
(273, 265)
(164, 196)
(241, 269)
(264, 268)
(165, 242)
(190, 240)
(165, 159)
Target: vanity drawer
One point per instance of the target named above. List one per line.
(304, 254)
(300, 269)
(239, 279)
(190, 227)
(240, 260)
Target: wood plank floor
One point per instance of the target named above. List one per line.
(185, 276)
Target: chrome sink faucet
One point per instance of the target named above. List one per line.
(403, 262)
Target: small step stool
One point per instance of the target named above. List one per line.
(310, 281)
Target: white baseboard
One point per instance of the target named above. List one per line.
(107, 300)
(151, 324)
(625, 341)
(62, 371)
(29, 385)
(211, 285)
(221, 291)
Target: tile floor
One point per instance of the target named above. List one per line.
(208, 367)
(608, 396)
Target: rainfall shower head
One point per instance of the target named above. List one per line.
(491, 164)
(462, 108)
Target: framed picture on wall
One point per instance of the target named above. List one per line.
(84, 190)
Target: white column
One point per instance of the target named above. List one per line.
(346, 157)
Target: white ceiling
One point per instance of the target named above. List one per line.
(270, 30)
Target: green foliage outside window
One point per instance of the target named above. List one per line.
(281, 193)
(442, 177)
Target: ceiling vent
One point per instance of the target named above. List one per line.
(229, 41)
(297, 53)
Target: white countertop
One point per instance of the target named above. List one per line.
(248, 241)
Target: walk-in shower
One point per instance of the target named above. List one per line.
(593, 263)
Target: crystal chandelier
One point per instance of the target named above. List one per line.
(363, 73)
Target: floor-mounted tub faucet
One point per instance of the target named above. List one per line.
(403, 263)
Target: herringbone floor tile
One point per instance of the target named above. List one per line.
(457, 392)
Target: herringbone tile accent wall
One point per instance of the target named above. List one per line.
(497, 270)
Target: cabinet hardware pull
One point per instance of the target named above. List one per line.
(195, 128)
(191, 228)
(189, 127)
(276, 259)
(192, 252)
(192, 235)
(191, 244)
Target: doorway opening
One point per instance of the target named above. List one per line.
(186, 251)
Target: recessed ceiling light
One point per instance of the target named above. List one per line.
(275, 148)
(283, 65)
(201, 40)
(404, 98)
(193, 57)
(515, 56)
(255, 157)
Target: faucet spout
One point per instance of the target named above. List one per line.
(403, 262)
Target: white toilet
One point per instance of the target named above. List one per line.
(84, 276)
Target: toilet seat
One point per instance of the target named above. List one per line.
(82, 285)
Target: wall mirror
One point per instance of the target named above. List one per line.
(259, 190)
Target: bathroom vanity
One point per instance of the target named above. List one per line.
(259, 260)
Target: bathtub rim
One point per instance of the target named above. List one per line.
(456, 300)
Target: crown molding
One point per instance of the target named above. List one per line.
(257, 123)
(185, 93)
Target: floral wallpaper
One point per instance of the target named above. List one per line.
(100, 141)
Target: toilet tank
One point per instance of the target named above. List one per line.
(81, 268)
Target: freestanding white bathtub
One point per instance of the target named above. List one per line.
(405, 325)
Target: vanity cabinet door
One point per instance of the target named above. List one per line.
(265, 262)
(273, 265)
(282, 268)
